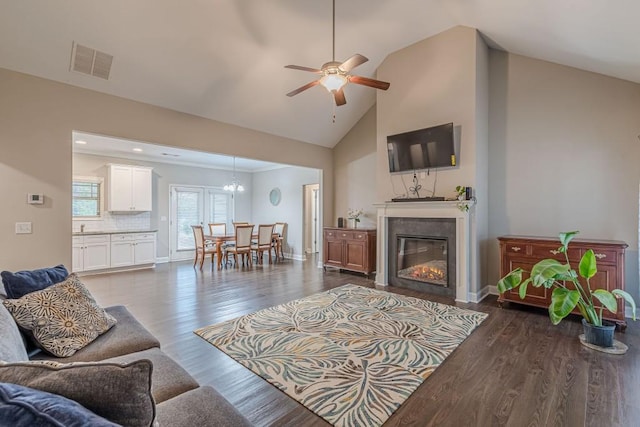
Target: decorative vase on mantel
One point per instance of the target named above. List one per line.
(352, 223)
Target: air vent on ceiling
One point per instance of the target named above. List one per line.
(90, 61)
(171, 155)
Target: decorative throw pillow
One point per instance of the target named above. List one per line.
(23, 282)
(25, 407)
(118, 392)
(63, 318)
(12, 348)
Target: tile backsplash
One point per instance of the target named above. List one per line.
(116, 222)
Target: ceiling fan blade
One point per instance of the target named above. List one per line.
(365, 81)
(302, 88)
(353, 62)
(338, 95)
(299, 67)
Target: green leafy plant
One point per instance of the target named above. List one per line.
(571, 289)
(461, 194)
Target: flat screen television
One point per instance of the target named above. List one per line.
(428, 148)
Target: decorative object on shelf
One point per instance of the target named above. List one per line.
(354, 217)
(550, 273)
(235, 185)
(274, 196)
(416, 186)
(461, 195)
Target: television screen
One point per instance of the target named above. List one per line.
(422, 149)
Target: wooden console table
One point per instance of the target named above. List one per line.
(525, 252)
(352, 249)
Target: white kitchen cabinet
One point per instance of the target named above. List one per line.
(91, 252)
(133, 249)
(130, 188)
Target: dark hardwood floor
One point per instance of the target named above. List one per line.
(516, 369)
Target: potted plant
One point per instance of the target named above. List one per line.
(354, 216)
(461, 195)
(572, 289)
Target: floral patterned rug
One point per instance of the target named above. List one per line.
(352, 355)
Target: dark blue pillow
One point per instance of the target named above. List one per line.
(26, 407)
(23, 282)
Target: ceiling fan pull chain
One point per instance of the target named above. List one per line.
(334, 110)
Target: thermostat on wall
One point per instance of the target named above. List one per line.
(35, 199)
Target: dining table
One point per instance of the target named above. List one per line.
(219, 239)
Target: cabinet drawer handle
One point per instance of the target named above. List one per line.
(516, 249)
(344, 235)
(600, 256)
(555, 252)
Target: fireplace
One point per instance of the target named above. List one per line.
(422, 259)
(422, 254)
(438, 220)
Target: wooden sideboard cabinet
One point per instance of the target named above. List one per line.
(525, 252)
(351, 249)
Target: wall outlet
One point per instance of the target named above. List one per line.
(23, 228)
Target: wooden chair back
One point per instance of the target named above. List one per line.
(279, 228)
(198, 235)
(218, 229)
(243, 236)
(240, 223)
(265, 234)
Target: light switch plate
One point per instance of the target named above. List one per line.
(23, 228)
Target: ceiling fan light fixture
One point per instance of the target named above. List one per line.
(333, 81)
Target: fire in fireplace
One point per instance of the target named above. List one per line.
(422, 259)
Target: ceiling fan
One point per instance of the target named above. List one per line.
(335, 75)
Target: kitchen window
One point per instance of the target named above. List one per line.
(87, 197)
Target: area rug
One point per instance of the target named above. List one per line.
(352, 354)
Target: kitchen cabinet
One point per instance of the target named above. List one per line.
(91, 253)
(129, 188)
(129, 249)
(350, 249)
(525, 252)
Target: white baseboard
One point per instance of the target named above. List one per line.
(295, 257)
(162, 260)
(320, 264)
(476, 297)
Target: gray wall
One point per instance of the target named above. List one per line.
(439, 80)
(37, 117)
(563, 155)
(354, 165)
(290, 181)
(165, 175)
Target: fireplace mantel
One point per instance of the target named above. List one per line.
(466, 240)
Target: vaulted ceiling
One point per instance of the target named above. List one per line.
(223, 59)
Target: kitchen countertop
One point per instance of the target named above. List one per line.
(93, 233)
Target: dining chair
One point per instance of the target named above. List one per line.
(264, 242)
(278, 242)
(218, 228)
(242, 246)
(203, 248)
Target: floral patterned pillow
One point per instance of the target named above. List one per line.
(63, 318)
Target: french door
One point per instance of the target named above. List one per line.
(195, 205)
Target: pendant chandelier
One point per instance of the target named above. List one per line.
(235, 185)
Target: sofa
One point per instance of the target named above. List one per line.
(177, 398)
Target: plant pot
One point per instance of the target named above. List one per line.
(601, 336)
(352, 223)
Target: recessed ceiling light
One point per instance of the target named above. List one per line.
(137, 150)
(81, 142)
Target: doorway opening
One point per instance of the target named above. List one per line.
(311, 218)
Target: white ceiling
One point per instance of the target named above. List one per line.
(123, 148)
(223, 59)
